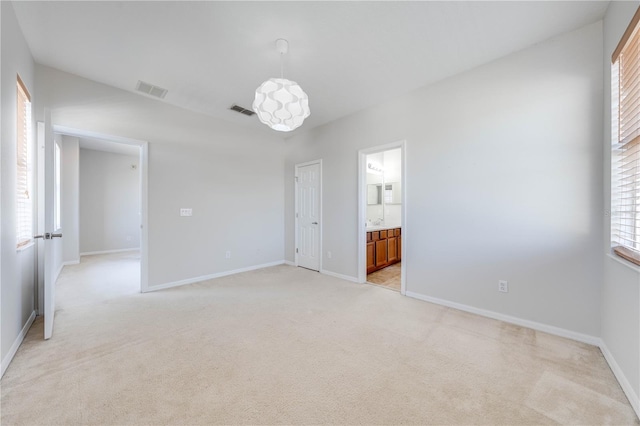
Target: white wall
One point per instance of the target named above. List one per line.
(17, 268)
(390, 161)
(70, 199)
(393, 174)
(109, 201)
(504, 181)
(620, 323)
(374, 211)
(229, 175)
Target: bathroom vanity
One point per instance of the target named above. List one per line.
(384, 247)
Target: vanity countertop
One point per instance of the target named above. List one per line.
(380, 227)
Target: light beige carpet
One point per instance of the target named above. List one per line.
(285, 345)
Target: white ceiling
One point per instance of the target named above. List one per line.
(346, 55)
(108, 146)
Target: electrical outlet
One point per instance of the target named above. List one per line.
(186, 212)
(227, 255)
(503, 286)
(329, 254)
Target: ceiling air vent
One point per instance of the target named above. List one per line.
(151, 90)
(241, 110)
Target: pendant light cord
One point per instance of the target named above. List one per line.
(282, 65)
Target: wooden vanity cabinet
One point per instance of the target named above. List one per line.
(381, 254)
(371, 255)
(383, 249)
(392, 250)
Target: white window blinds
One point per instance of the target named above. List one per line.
(24, 215)
(625, 138)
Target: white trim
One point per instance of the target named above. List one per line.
(55, 278)
(144, 216)
(91, 253)
(290, 263)
(623, 262)
(362, 209)
(71, 262)
(335, 274)
(211, 276)
(295, 211)
(16, 343)
(622, 379)
(144, 183)
(557, 331)
(88, 134)
(26, 246)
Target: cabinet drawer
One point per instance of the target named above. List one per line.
(383, 235)
(396, 232)
(369, 237)
(375, 235)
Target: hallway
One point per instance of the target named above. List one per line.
(98, 278)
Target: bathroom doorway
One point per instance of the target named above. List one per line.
(382, 206)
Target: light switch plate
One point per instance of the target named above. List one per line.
(186, 212)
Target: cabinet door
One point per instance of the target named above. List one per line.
(392, 249)
(399, 248)
(371, 257)
(381, 253)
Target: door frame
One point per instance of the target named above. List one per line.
(295, 211)
(144, 190)
(362, 209)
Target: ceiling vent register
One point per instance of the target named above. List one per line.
(151, 90)
(238, 108)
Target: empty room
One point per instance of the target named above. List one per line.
(320, 212)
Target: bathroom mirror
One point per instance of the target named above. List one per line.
(374, 194)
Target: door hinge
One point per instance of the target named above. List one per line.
(296, 178)
(296, 250)
(297, 214)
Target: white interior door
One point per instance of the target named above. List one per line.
(308, 216)
(47, 231)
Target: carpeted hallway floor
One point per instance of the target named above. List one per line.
(285, 345)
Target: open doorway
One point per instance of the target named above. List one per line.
(104, 215)
(382, 206)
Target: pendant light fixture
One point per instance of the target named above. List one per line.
(280, 103)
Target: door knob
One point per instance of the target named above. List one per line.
(314, 223)
(48, 236)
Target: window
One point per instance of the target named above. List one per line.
(388, 194)
(625, 139)
(24, 216)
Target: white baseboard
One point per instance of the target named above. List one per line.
(290, 263)
(71, 262)
(211, 276)
(584, 338)
(335, 274)
(622, 379)
(16, 343)
(91, 253)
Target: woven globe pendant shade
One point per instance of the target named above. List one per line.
(281, 104)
